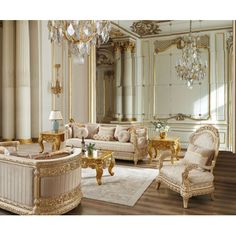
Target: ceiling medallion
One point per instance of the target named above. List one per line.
(145, 27)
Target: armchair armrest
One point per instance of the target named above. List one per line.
(10, 144)
(186, 171)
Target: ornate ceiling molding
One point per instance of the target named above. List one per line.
(146, 27)
(116, 33)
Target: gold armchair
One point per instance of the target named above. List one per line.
(194, 174)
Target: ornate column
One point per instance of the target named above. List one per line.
(92, 85)
(128, 82)
(8, 81)
(118, 84)
(23, 111)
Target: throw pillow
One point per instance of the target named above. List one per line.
(92, 129)
(103, 137)
(123, 136)
(80, 132)
(118, 129)
(106, 131)
(199, 155)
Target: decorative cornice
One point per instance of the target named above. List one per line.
(116, 33)
(145, 27)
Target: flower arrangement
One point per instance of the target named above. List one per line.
(161, 125)
(90, 148)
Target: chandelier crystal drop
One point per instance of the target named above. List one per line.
(190, 67)
(80, 34)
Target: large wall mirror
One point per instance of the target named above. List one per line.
(137, 79)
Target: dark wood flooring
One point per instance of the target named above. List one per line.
(167, 202)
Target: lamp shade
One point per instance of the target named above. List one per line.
(55, 115)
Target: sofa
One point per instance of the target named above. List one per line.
(128, 142)
(42, 184)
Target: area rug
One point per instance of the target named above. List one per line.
(125, 187)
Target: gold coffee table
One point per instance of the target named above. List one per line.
(99, 160)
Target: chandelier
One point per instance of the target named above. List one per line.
(190, 67)
(80, 34)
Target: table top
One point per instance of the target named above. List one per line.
(51, 132)
(166, 139)
(97, 154)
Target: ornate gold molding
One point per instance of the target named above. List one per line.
(163, 45)
(181, 117)
(229, 42)
(116, 33)
(145, 27)
(25, 141)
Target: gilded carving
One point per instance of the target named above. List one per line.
(162, 45)
(103, 59)
(145, 27)
(116, 33)
(229, 42)
(181, 117)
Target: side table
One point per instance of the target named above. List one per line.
(168, 143)
(52, 137)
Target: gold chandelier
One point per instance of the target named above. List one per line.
(80, 34)
(190, 67)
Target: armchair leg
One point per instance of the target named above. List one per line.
(158, 185)
(185, 202)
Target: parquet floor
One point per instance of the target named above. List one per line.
(167, 202)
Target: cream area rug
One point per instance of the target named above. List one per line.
(125, 187)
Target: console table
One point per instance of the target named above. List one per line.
(168, 143)
(52, 137)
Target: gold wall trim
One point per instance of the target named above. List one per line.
(181, 117)
(163, 45)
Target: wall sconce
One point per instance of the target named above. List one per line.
(57, 88)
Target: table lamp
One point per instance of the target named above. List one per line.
(55, 116)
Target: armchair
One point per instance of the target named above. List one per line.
(193, 175)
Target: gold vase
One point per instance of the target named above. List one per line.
(163, 134)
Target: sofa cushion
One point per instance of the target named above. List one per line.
(118, 129)
(104, 145)
(92, 129)
(80, 132)
(106, 131)
(199, 155)
(123, 136)
(103, 137)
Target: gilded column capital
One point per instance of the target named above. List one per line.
(128, 46)
(117, 47)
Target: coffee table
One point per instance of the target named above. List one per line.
(99, 160)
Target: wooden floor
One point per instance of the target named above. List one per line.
(167, 202)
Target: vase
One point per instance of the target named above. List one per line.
(163, 134)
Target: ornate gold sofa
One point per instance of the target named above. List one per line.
(40, 186)
(135, 149)
(194, 174)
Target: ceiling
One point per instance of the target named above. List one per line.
(153, 28)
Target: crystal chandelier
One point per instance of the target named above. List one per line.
(190, 67)
(80, 34)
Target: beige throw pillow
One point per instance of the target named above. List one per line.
(106, 131)
(92, 129)
(199, 155)
(123, 136)
(118, 129)
(80, 132)
(103, 137)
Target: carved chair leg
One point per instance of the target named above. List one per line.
(185, 202)
(212, 196)
(158, 185)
